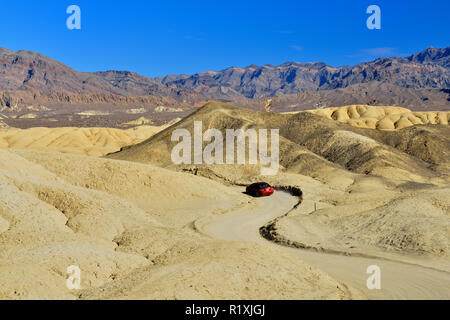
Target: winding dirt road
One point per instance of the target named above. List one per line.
(398, 280)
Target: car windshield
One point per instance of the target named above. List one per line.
(262, 185)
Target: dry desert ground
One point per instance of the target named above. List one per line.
(357, 186)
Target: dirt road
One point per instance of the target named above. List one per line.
(398, 280)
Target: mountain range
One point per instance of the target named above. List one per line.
(427, 69)
(421, 80)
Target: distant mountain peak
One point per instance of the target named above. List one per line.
(432, 55)
(252, 66)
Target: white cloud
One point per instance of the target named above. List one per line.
(386, 51)
(297, 47)
(373, 53)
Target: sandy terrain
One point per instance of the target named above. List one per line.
(367, 193)
(82, 141)
(130, 230)
(384, 118)
(400, 280)
(143, 228)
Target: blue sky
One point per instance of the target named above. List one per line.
(171, 37)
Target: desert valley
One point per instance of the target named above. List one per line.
(87, 180)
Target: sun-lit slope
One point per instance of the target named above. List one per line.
(429, 143)
(127, 225)
(49, 225)
(223, 270)
(173, 198)
(372, 218)
(372, 178)
(382, 117)
(309, 144)
(157, 150)
(83, 141)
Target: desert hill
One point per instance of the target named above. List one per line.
(351, 177)
(382, 117)
(371, 219)
(125, 225)
(133, 226)
(307, 141)
(423, 135)
(83, 141)
(429, 143)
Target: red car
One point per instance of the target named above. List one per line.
(259, 189)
